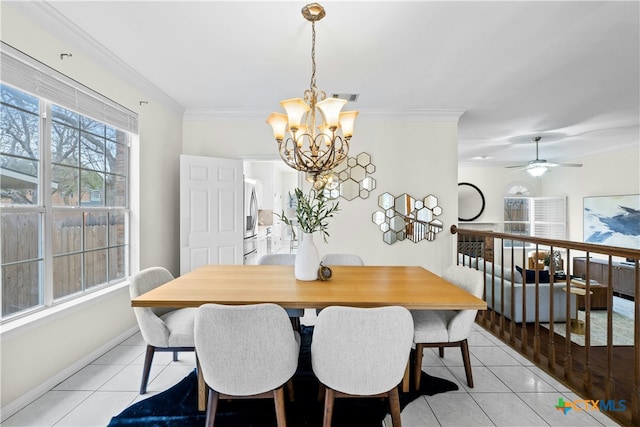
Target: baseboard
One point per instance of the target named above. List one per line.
(11, 408)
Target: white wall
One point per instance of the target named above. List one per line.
(34, 356)
(493, 182)
(607, 174)
(417, 158)
(611, 173)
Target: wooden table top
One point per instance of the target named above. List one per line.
(358, 286)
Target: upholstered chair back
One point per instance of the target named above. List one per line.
(472, 281)
(361, 351)
(247, 349)
(152, 326)
(277, 259)
(341, 259)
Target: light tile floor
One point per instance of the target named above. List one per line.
(509, 390)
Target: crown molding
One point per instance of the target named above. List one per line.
(45, 15)
(365, 115)
(412, 115)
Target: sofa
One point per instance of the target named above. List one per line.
(513, 281)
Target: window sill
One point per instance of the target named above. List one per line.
(34, 320)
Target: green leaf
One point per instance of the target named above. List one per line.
(312, 211)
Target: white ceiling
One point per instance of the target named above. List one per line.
(565, 70)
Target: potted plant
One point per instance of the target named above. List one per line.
(312, 214)
(557, 260)
(547, 260)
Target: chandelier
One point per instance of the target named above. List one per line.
(314, 135)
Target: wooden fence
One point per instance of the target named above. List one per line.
(73, 270)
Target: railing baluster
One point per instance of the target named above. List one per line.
(589, 368)
(635, 397)
(609, 383)
(523, 326)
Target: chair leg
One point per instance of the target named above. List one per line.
(321, 392)
(417, 366)
(212, 407)
(406, 378)
(329, 398)
(441, 352)
(148, 358)
(295, 323)
(203, 389)
(464, 348)
(394, 407)
(175, 356)
(290, 391)
(278, 396)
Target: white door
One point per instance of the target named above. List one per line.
(211, 211)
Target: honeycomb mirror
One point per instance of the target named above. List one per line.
(351, 178)
(404, 217)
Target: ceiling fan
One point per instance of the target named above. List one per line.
(539, 166)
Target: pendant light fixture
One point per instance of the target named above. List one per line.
(313, 136)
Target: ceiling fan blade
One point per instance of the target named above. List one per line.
(565, 165)
(570, 165)
(542, 163)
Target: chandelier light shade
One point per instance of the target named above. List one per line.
(313, 136)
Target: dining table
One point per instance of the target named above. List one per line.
(412, 287)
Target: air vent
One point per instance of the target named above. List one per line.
(351, 97)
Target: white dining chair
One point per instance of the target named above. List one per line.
(277, 259)
(341, 259)
(361, 352)
(284, 259)
(245, 351)
(448, 328)
(329, 260)
(163, 329)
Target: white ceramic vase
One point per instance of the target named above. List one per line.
(307, 259)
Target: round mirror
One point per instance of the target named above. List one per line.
(470, 202)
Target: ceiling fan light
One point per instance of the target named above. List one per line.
(537, 171)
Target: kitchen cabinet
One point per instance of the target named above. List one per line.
(622, 275)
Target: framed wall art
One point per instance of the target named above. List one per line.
(612, 220)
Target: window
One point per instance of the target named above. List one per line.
(535, 216)
(64, 179)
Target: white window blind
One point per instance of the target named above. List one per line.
(32, 76)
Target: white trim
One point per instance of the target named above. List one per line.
(57, 24)
(12, 407)
(134, 205)
(365, 115)
(19, 325)
(411, 115)
(209, 114)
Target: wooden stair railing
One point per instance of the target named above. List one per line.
(608, 373)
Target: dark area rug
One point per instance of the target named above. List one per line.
(177, 406)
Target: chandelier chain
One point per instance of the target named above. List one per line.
(313, 56)
(304, 144)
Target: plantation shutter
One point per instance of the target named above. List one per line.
(549, 217)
